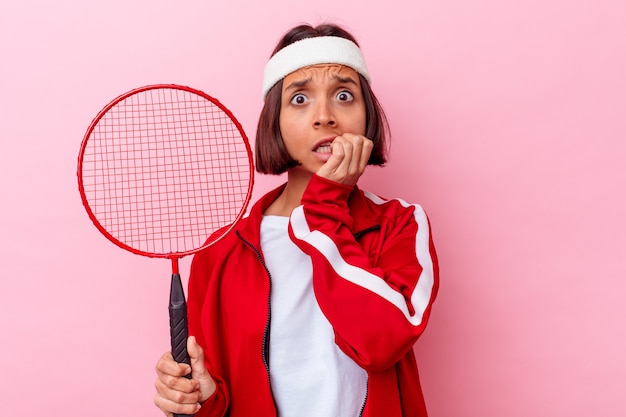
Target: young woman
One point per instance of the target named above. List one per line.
(312, 305)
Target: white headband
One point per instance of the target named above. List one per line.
(313, 51)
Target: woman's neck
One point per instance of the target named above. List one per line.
(291, 196)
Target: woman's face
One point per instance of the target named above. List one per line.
(319, 103)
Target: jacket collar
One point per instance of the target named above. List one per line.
(366, 220)
(250, 227)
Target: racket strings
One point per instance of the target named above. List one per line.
(163, 169)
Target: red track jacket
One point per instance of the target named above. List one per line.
(375, 277)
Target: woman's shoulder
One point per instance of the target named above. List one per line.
(392, 212)
(384, 204)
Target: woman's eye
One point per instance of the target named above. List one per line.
(298, 99)
(345, 96)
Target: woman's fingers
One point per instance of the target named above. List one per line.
(168, 366)
(169, 407)
(349, 159)
(196, 356)
(206, 382)
(176, 393)
(361, 150)
(171, 382)
(366, 152)
(179, 393)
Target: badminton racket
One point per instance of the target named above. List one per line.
(165, 171)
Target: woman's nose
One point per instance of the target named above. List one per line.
(324, 115)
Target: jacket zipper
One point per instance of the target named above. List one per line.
(359, 235)
(266, 331)
(367, 390)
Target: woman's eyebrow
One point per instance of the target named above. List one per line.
(345, 80)
(298, 84)
(301, 83)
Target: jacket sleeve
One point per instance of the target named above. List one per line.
(217, 404)
(377, 308)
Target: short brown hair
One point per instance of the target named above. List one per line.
(270, 152)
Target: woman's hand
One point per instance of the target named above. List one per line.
(349, 159)
(180, 395)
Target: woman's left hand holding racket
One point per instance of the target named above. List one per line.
(175, 392)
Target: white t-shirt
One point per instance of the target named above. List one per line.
(310, 375)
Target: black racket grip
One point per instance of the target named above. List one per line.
(178, 325)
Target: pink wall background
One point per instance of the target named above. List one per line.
(509, 123)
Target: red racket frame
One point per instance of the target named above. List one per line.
(174, 256)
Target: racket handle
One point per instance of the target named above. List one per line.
(178, 325)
